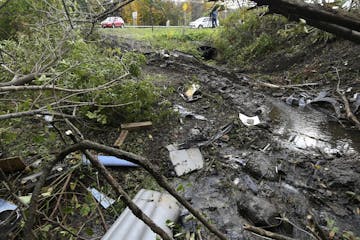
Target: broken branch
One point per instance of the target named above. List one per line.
(83, 145)
(265, 233)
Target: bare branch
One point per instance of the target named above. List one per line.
(32, 113)
(265, 233)
(67, 14)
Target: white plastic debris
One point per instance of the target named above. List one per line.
(104, 200)
(185, 113)
(160, 207)
(185, 160)
(249, 121)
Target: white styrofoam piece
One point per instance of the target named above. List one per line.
(160, 207)
(185, 160)
(104, 200)
(249, 121)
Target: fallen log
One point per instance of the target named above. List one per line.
(327, 19)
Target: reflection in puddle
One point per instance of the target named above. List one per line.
(307, 129)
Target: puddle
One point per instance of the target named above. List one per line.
(308, 129)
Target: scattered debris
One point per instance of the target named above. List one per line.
(249, 121)
(120, 140)
(12, 164)
(224, 130)
(186, 113)
(185, 160)
(9, 217)
(303, 100)
(235, 159)
(160, 207)
(33, 177)
(110, 161)
(128, 126)
(104, 200)
(189, 95)
(323, 97)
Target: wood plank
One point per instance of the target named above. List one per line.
(120, 140)
(12, 164)
(129, 126)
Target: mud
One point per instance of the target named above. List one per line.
(297, 161)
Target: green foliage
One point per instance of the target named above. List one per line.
(248, 34)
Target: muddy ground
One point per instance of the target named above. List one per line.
(298, 161)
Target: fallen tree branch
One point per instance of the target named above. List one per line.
(34, 112)
(17, 81)
(336, 22)
(143, 162)
(55, 88)
(271, 85)
(349, 113)
(265, 233)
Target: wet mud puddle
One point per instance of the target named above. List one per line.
(306, 129)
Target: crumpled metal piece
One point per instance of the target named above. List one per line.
(322, 97)
(9, 217)
(186, 113)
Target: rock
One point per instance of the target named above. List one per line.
(261, 167)
(258, 210)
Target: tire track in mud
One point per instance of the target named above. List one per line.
(275, 182)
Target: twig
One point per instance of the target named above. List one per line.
(61, 194)
(61, 226)
(40, 88)
(270, 85)
(349, 113)
(265, 233)
(315, 228)
(67, 14)
(297, 227)
(32, 113)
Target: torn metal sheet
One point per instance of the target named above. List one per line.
(249, 121)
(185, 160)
(104, 200)
(110, 161)
(186, 113)
(195, 143)
(9, 217)
(160, 207)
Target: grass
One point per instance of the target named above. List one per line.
(183, 39)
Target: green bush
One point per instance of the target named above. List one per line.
(248, 34)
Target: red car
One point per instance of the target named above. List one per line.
(112, 22)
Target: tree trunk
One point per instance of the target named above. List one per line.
(327, 19)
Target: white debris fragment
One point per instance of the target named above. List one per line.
(104, 200)
(249, 121)
(185, 160)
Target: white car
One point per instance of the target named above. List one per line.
(203, 22)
